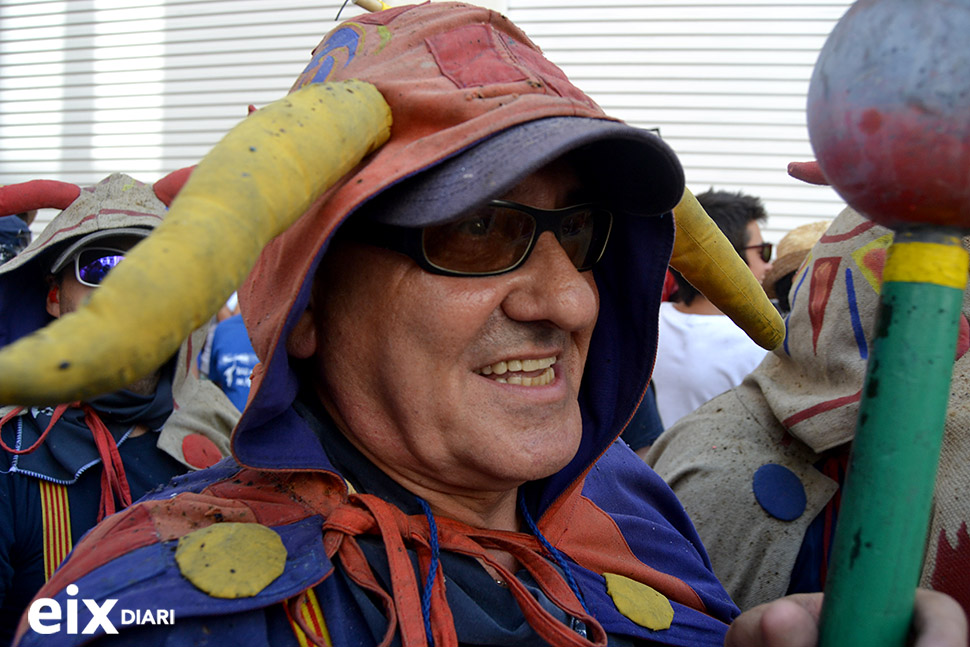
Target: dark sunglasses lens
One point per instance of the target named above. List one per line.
(766, 253)
(490, 240)
(583, 235)
(93, 266)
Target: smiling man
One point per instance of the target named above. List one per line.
(451, 342)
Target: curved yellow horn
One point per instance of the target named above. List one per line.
(258, 180)
(709, 262)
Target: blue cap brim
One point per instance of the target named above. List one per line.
(630, 170)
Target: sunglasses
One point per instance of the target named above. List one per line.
(766, 250)
(495, 238)
(91, 265)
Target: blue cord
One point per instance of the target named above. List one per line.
(432, 572)
(556, 555)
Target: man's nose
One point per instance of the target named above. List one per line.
(548, 287)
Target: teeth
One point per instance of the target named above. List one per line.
(519, 365)
(546, 377)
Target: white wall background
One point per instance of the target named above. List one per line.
(89, 87)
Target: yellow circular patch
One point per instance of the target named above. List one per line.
(643, 605)
(231, 560)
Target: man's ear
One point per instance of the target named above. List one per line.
(302, 342)
(54, 300)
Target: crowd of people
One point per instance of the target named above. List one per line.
(450, 343)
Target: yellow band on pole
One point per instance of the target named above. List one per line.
(921, 262)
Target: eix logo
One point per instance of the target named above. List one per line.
(44, 615)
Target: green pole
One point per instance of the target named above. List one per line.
(888, 493)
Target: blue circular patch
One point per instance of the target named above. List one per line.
(779, 491)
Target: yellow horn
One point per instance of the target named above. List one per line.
(709, 262)
(262, 176)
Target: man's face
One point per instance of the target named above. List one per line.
(403, 358)
(752, 255)
(67, 294)
(70, 293)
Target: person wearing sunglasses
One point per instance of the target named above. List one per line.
(451, 340)
(790, 427)
(701, 352)
(66, 466)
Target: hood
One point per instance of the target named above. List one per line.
(454, 75)
(834, 300)
(116, 202)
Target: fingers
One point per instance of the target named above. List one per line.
(791, 621)
(938, 621)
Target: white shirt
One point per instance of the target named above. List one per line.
(698, 357)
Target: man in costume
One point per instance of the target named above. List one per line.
(64, 468)
(429, 454)
(760, 468)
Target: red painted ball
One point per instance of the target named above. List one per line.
(889, 111)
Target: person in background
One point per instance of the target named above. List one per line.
(451, 340)
(701, 352)
(15, 234)
(232, 359)
(64, 468)
(793, 249)
(760, 468)
(228, 309)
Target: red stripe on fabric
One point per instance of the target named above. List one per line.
(56, 526)
(314, 616)
(838, 238)
(821, 407)
(129, 212)
(63, 526)
(95, 215)
(45, 516)
(71, 228)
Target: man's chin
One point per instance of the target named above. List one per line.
(146, 385)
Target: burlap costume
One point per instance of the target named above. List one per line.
(797, 410)
(202, 414)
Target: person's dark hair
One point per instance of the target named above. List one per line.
(731, 212)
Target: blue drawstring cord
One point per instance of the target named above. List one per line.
(556, 554)
(436, 549)
(432, 571)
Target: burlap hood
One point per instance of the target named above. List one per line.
(810, 389)
(829, 330)
(116, 202)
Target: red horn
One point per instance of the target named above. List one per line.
(807, 172)
(168, 187)
(37, 194)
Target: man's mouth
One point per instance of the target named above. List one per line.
(522, 372)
